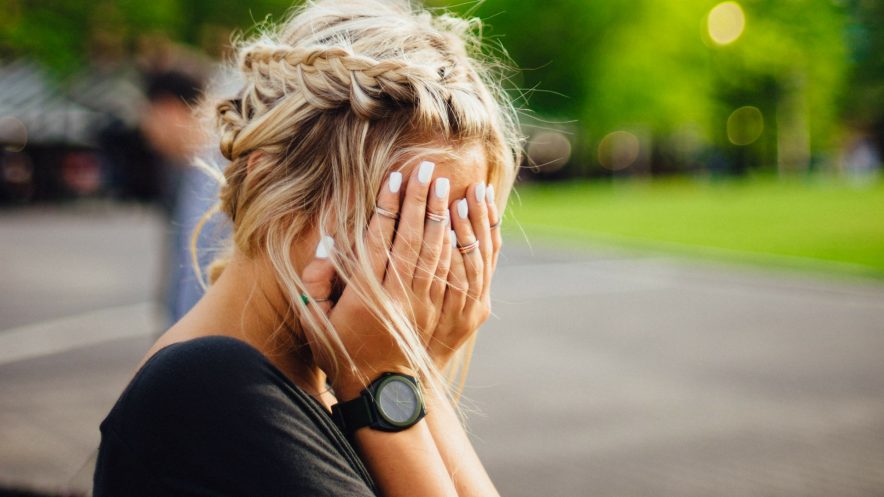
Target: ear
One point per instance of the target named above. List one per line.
(254, 157)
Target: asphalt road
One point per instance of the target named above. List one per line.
(603, 373)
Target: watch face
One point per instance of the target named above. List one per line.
(398, 401)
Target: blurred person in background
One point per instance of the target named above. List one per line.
(371, 156)
(175, 135)
(171, 129)
(152, 163)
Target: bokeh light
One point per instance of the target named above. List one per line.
(618, 150)
(745, 125)
(13, 134)
(726, 22)
(549, 150)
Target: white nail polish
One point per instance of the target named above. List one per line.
(489, 194)
(462, 208)
(324, 247)
(425, 172)
(452, 236)
(480, 192)
(442, 187)
(395, 181)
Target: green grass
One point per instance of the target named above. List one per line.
(831, 225)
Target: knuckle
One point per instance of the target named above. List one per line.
(431, 251)
(416, 195)
(389, 203)
(456, 287)
(409, 233)
(408, 246)
(484, 313)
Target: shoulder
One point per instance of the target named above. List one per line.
(209, 357)
(214, 410)
(197, 377)
(209, 399)
(196, 370)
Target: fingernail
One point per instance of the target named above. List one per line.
(452, 237)
(395, 181)
(442, 186)
(324, 247)
(462, 208)
(490, 194)
(480, 192)
(425, 172)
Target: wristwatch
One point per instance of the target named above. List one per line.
(392, 402)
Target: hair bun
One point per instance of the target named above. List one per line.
(230, 123)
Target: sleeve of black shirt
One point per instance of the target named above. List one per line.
(212, 417)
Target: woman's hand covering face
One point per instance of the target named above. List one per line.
(467, 301)
(443, 291)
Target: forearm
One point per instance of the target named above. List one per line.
(456, 450)
(405, 463)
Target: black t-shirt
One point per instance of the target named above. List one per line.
(213, 417)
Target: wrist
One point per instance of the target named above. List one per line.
(348, 385)
(393, 402)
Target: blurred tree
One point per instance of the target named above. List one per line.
(647, 68)
(66, 35)
(864, 102)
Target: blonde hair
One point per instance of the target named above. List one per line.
(333, 97)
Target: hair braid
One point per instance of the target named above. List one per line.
(331, 77)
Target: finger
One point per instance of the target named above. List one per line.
(457, 282)
(454, 300)
(318, 277)
(410, 230)
(435, 237)
(473, 263)
(481, 228)
(494, 226)
(440, 279)
(383, 224)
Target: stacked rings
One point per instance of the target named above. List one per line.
(384, 212)
(466, 249)
(439, 218)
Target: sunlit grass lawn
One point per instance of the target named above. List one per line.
(831, 224)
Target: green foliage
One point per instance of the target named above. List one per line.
(647, 66)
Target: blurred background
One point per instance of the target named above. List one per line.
(691, 299)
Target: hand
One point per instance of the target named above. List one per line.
(467, 302)
(406, 271)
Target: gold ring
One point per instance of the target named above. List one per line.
(384, 212)
(439, 218)
(466, 249)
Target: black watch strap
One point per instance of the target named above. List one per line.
(353, 414)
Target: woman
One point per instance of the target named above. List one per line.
(370, 157)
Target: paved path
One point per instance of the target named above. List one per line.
(604, 373)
